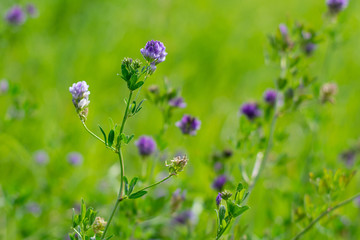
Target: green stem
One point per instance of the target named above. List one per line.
(222, 231)
(157, 183)
(96, 136)
(122, 169)
(326, 212)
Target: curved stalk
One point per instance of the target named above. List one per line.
(96, 136)
(326, 212)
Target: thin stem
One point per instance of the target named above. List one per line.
(266, 154)
(157, 183)
(222, 231)
(122, 169)
(96, 136)
(326, 212)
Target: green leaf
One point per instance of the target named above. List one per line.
(281, 82)
(132, 82)
(126, 186)
(82, 210)
(235, 210)
(132, 184)
(111, 138)
(139, 84)
(102, 131)
(239, 187)
(137, 194)
(222, 212)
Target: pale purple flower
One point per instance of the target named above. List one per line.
(4, 86)
(335, 6)
(218, 199)
(177, 102)
(270, 96)
(33, 208)
(15, 16)
(41, 157)
(219, 182)
(218, 166)
(154, 52)
(188, 124)
(32, 10)
(184, 217)
(250, 110)
(75, 158)
(80, 98)
(146, 145)
(283, 29)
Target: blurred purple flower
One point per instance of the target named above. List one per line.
(75, 158)
(348, 157)
(227, 153)
(218, 199)
(283, 29)
(177, 198)
(33, 208)
(32, 10)
(15, 16)
(154, 52)
(335, 6)
(184, 217)
(250, 110)
(177, 102)
(188, 124)
(309, 48)
(218, 166)
(41, 157)
(219, 182)
(146, 145)
(4, 86)
(270, 96)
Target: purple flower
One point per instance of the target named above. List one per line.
(270, 96)
(34, 208)
(218, 166)
(219, 182)
(348, 157)
(309, 48)
(80, 98)
(184, 217)
(75, 158)
(177, 102)
(41, 157)
(154, 52)
(283, 29)
(250, 110)
(4, 86)
(335, 6)
(218, 199)
(146, 145)
(177, 198)
(188, 124)
(15, 16)
(31, 10)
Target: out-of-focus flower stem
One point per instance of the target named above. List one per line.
(157, 183)
(326, 212)
(122, 168)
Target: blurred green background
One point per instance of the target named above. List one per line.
(215, 54)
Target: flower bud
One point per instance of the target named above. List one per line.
(226, 195)
(99, 225)
(177, 164)
(328, 92)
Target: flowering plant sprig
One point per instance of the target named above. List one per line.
(134, 73)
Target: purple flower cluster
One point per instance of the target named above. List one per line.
(218, 199)
(270, 96)
(75, 158)
(335, 6)
(283, 30)
(80, 93)
(177, 102)
(250, 110)
(31, 10)
(188, 124)
(15, 15)
(154, 52)
(219, 182)
(146, 145)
